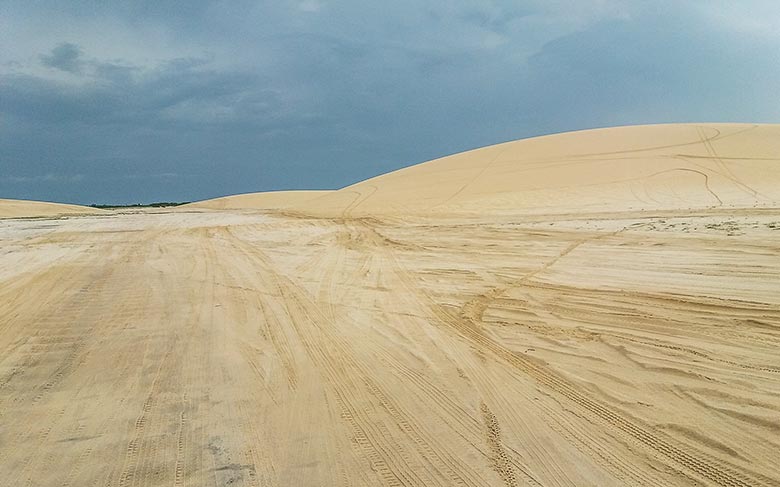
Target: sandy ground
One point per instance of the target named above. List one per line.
(234, 349)
(585, 347)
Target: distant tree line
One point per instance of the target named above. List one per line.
(159, 204)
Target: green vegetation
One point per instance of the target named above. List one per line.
(160, 204)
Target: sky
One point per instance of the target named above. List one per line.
(116, 101)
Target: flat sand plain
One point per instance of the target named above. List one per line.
(590, 346)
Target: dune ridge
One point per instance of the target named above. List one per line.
(11, 208)
(268, 200)
(652, 167)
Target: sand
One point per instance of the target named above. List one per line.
(38, 209)
(586, 345)
(270, 200)
(675, 166)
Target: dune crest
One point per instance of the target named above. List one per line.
(270, 200)
(35, 209)
(674, 166)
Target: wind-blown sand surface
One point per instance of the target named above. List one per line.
(38, 209)
(435, 339)
(675, 166)
(271, 200)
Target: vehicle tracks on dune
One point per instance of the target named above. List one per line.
(394, 461)
(264, 350)
(687, 459)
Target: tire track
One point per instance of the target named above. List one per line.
(334, 355)
(135, 448)
(702, 465)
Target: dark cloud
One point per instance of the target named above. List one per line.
(65, 57)
(182, 90)
(657, 68)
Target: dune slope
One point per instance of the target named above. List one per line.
(30, 209)
(269, 200)
(675, 166)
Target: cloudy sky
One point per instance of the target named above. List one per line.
(116, 101)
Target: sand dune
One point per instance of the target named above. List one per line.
(505, 317)
(30, 209)
(676, 166)
(270, 200)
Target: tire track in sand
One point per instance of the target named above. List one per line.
(631, 429)
(390, 458)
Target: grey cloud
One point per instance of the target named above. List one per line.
(48, 178)
(656, 68)
(65, 57)
(182, 90)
